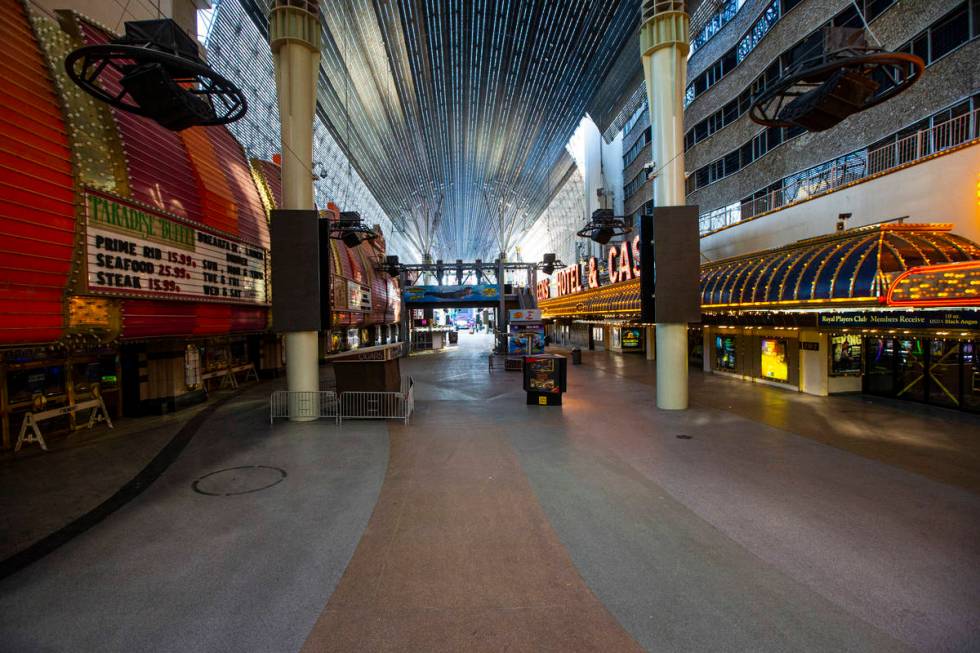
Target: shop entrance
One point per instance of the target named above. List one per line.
(933, 371)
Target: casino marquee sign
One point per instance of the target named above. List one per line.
(134, 251)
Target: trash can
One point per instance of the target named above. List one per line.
(576, 356)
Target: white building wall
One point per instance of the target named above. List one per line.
(943, 189)
(612, 173)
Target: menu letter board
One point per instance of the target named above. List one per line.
(135, 251)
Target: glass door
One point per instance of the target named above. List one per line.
(971, 375)
(911, 369)
(944, 373)
(880, 371)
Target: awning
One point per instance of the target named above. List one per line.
(616, 300)
(854, 267)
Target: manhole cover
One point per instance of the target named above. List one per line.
(238, 480)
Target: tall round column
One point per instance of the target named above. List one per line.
(664, 44)
(294, 34)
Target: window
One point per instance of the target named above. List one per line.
(949, 33)
(635, 184)
(714, 24)
(759, 30)
(845, 355)
(635, 118)
(48, 381)
(942, 37)
(808, 48)
(637, 147)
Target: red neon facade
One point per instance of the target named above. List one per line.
(37, 197)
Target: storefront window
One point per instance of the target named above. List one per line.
(192, 366)
(725, 352)
(774, 365)
(101, 371)
(216, 357)
(971, 372)
(944, 373)
(22, 385)
(845, 355)
(911, 369)
(239, 352)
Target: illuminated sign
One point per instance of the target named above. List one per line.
(543, 289)
(358, 297)
(524, 315)
(136, 251)
(632, 338)
(623, 264)
(774, 364)
(569, 280)
(968, 320)
(952, 284)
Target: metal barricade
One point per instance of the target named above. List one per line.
(379, 405)
(350, 405)
(309, 404)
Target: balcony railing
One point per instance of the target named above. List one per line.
(850, 168)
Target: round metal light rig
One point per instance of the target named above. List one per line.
(159, 74)
(351, 230)
(821, 91)
(603, 226)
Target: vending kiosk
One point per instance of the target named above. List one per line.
(545, 379)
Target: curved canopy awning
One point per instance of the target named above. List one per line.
(616, 300)
(853, 267)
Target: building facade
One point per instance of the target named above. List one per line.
(901, 174)
(134, 262)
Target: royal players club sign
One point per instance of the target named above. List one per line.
(134, 251)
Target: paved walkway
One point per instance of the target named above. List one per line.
(489, 525)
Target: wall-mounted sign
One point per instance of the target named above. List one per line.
(135, 251)
(544, 289)
(358, 297)
(809, 346)
(920, 319)
(524, 315)
(632, 338)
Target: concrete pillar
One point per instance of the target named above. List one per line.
(814, 363)
(664, 45)
(294, 35)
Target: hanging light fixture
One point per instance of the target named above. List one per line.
(845, 78)
(351, 230)
(603, 226)
(161, 77)
(549, 263)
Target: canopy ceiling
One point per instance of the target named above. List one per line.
(455, 112)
